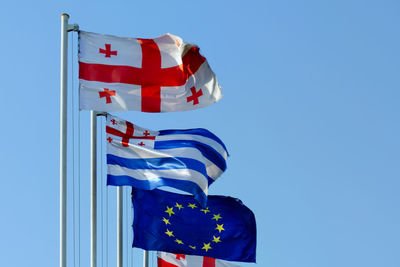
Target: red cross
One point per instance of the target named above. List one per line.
(113, 122)
(195, 96)
(179, 256)
(151, 77)
(109, 139)
(107, 94)
(141, 144)
(128, 134)
(146, 133)
(107, 52)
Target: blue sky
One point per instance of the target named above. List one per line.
(310, 116)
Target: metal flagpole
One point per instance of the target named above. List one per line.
(145, 258)
(65, 28)
(93, 188)
(119, 226)
(63, 140)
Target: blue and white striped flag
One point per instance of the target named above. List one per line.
(188, 160)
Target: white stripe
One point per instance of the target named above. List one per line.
(154, 175)
(142, 152)
(188, 152)
(208, 141)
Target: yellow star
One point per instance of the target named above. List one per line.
(170, 211)
(192, 247)
(192, 206)
(166, 221)
(206, 246)
(169, 233)
(178, 241)
(220, 227)
(216, 239)
(179, 206)
(205, 210)
(216, 217)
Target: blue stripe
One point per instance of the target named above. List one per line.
(186, 186)
(159, 163)
(197, 131)
(206, 150)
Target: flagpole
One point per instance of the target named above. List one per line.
(93, 188)
(145, 258)
(63, 140)
(65, 28)
(119, 226)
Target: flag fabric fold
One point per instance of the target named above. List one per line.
(150, 75)
(165, 259)
(165, 221)
(188, 160)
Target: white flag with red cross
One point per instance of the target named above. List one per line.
(165, 259)
(150, 75)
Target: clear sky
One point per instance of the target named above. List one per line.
(310, 116)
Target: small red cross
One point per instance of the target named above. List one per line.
(141, 144)
(146, 133)
(109, 139)
(195, 95)
(107, 51)
(179, 256)
(113, 122)
(107, 94)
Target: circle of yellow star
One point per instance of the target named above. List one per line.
(205, 210)
(166, 221)
(220, 227)
(179, 206)
(216, 217)
(169, 233)
(216, 239)
(192, 247)
(178, 241)
(170, 211)
(192, 206)
(206, 247)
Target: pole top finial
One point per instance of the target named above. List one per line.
(64, 14)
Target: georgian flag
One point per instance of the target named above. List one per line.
(165, 259)
(150, 75)
(188, 160)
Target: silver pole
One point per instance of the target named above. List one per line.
(63, 139)
(119, 226)
(93, 188)
(145, 258)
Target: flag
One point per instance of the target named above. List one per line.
(150, 75)
(165, 221)
(165, 259)
(188, 160)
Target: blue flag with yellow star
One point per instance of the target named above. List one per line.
(170, 222)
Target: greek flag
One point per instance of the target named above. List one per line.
(188, 160)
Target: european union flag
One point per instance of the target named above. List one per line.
(164, 221)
